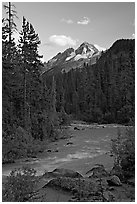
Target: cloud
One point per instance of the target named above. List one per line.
(62, 40)
(99, 48)
(84, 21)
(133, 35)
(68, 21)
(134, 22)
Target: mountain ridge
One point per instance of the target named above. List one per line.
(75, 58)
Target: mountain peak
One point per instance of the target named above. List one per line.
(85, 43)
(71, 58)
(86, 48)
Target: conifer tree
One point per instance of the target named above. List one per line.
(23, 50)
(9, 61)
(53, 96)
(53, 112)
(11, 14)
(28, 44)
(11, 28)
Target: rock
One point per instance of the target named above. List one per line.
(97, 171)
(76, 128)
(69, 143)
(109, 197)
(56, 150)
(111, 189)
(114, 181)
(50, 175)
(27, 160)
(49, 150)
(61, 172)
(67, 183)
(67, 173)
(116, 170)
(131, 181)
(33, 156)
(40, 151)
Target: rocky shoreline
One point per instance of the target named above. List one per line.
(97, 185)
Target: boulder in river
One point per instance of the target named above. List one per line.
(49, 150)
(76, 128)
(69, 143)
(61, 172)
(67, 173)
(97, 171)
(114, 181)
(73, 185)
(116, 170)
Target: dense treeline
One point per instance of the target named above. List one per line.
(104, 92)
(28, 106)
(35, 104)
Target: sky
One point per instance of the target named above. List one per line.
(61, 25)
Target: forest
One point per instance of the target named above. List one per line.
(38, 107)
(27, 103)
(36, 104)
(103, 92)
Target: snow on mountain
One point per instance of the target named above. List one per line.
(80, 56)
(71, 58)
(85, 51)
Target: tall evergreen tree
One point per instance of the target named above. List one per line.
(10, 19)
(9, 63)
(28, 44)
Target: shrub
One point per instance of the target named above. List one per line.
(15, 146)
(20, 185)
(108, 118)
(125, 114)
(63, 117)
(123, 148)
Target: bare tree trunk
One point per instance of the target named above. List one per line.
(10, 15)
(9, 55)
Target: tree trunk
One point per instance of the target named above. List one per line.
(10, 15)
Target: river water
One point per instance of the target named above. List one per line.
(89, 145)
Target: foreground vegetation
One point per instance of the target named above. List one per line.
(123, 149)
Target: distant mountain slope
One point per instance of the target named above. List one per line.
(72, 59)
(103, 92)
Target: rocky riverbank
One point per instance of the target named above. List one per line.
(79, 167)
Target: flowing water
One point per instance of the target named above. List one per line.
(88, 145)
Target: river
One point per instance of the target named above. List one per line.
(88, 145)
